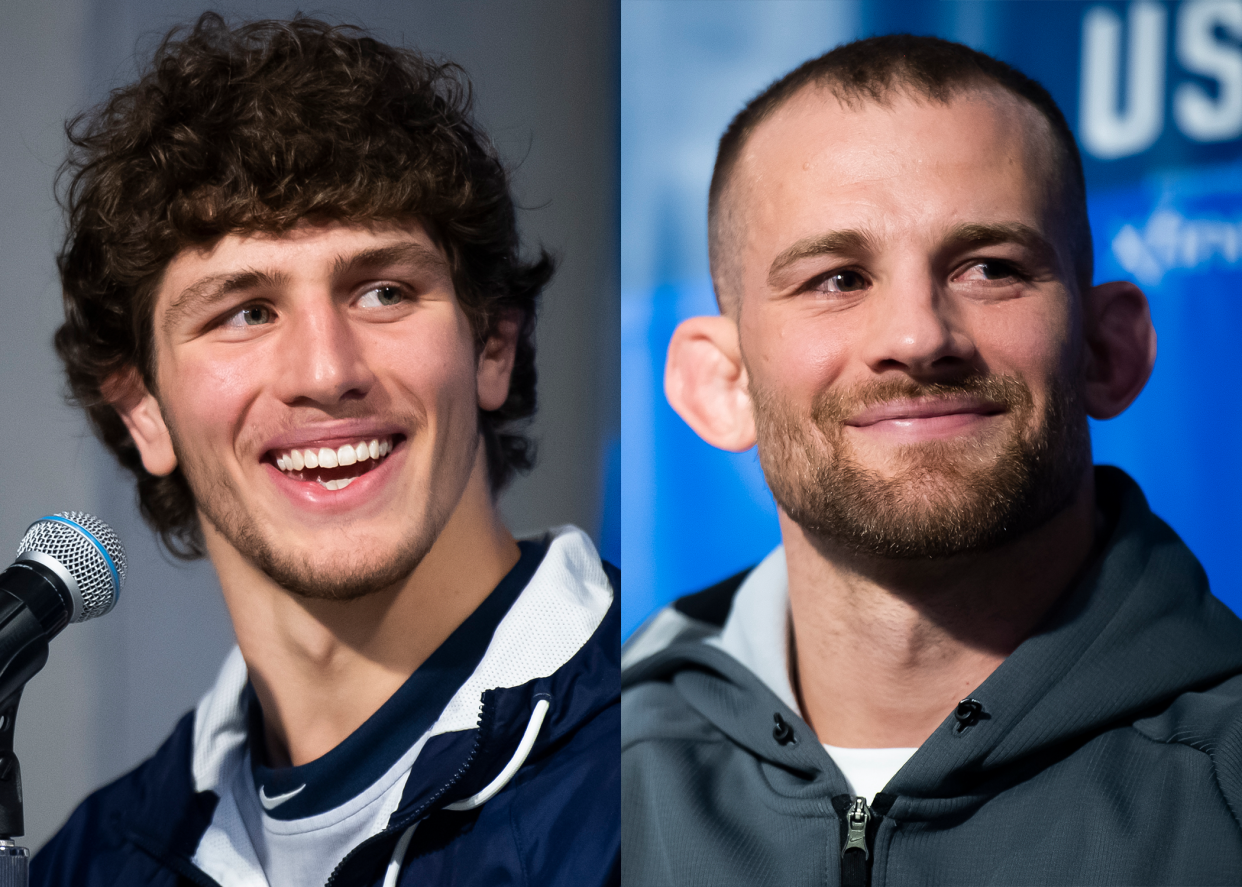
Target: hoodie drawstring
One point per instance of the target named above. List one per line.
(481, 797)
(398, 856)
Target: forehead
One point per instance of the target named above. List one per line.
(306, 248)
(985, 156)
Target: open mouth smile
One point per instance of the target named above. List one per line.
(334, 468)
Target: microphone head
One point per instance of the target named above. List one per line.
(89, 556)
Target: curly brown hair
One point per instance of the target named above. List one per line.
(254, 128)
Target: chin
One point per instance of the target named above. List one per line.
(343, 575)
(329, 563)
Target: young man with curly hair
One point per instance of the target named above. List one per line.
(296, 311)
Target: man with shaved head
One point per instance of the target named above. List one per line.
(976, 658)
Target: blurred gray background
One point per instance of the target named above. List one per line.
(546, 84)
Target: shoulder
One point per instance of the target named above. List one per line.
(580, 774)
(614, 575)
(689, 618)
(652, 706)
(1210, 721)
(564, 812)
(102, 840)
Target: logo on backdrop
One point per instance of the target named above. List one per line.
(1168, 241)
(1117, 120)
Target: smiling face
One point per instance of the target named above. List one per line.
(320, 390)
(909, 321)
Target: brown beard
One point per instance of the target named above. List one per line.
(946, 497)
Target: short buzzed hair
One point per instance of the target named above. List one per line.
(873, 71)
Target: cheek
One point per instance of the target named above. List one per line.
(434, 363)
(795, 354)
(1032, 340)
(210, 395)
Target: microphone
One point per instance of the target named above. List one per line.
(79, 558)
(69, 568)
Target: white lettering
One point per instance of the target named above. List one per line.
(1108, 131)
(1199, 115)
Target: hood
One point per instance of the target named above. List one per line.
(1138, 629)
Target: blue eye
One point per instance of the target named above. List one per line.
(251, 315)
(382, 296)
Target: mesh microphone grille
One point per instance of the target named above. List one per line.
(73, 548)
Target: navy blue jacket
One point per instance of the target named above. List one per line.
(557, 822)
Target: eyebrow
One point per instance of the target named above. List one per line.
(832, 243)
(207, 291)
(974, 235)
(851, 242)
(397, 254)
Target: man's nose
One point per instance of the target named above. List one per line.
(324, 361)
(916, 327)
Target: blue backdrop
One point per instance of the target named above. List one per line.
(1154, 93)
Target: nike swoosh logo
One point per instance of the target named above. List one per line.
(273, 803)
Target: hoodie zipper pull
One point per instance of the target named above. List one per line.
(854, 865)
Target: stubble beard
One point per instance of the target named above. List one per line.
(944, 497)
(220, 503)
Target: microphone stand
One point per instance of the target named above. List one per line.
(28, 619)
(14, 860)
(28, 654)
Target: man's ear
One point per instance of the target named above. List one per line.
(705, 382)
(1121, 347)
(496, 363)
(141, 413)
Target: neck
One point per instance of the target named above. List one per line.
(884, 650)
(320, 668)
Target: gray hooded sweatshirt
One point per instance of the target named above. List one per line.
(1107, 749)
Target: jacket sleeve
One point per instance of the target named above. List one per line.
(127, 832)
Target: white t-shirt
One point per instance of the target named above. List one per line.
(868, 770)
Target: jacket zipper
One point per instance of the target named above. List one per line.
(421, 813)
(854, 850)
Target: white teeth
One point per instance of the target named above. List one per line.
(323, 457)
(338, 484)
